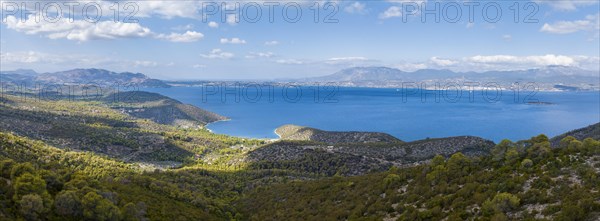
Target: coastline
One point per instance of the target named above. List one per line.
(209, 130)
(228, 119)
(259, 132)
(278, 135)
(544, 89)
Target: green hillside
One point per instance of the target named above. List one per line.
(529, 182)
(89, 160)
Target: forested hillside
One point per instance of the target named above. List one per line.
(89, 160)
(518, 182)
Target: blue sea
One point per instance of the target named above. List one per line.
(402, 113)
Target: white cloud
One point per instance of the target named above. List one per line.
(567, 5)
(81, 30)
(346, 60)
(507, 37)
(183, 27)
(266, 54)
(188, 36)
(442, 62)
(410, 66)
(587, 62)
(213, 24)
(198, 66)
(145, 64)
(27, 57)
(232, 19)
(62, 61)
(543, 60)
(407, 1)
(591, 23)
(470, 24)
(356, 8)
(232, 41)
(481, 63)
(252, 55)
(393, 11)
(78, 30)
(143, 9)
(271, 43)
(396, 10)
(217, 54)
(289, 61)
(168, 9)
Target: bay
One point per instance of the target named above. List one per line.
(403, 114)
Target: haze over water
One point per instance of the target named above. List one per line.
(383, 110)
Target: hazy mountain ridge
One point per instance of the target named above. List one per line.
(547, 78)
(100, 77)
(550, 78)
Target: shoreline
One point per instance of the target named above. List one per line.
(209, 130)
(399, 87)
(256, 138)
(278, 135)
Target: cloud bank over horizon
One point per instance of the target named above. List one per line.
(216, 39)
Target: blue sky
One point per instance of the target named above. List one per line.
(172, 40)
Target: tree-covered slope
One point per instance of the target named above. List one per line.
(517, 182)
(117, 129)
(360, 158)
(40, 182)
(592, 131)
(89, 160)
(160, 109)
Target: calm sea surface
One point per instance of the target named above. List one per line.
(404, 115)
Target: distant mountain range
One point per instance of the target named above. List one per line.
(98, 77)
(547, 78)
(558, 78)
